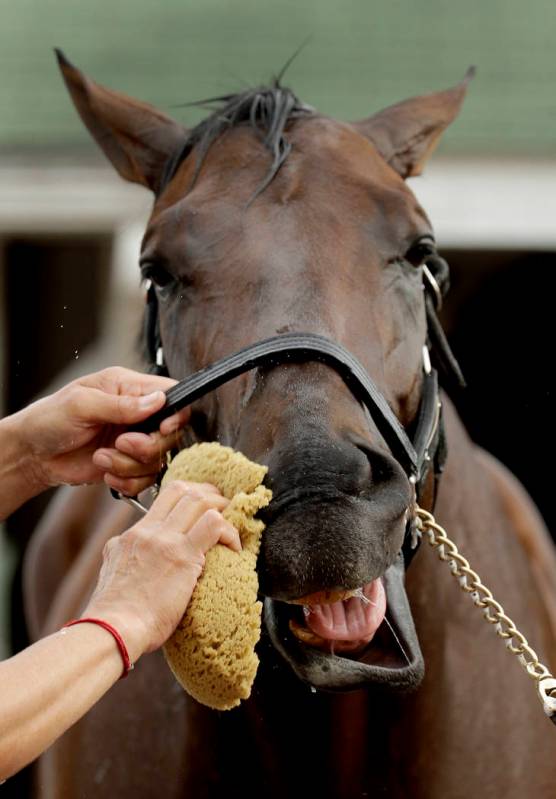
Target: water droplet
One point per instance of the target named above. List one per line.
(313, 689)
(61, 326)
(76, 354)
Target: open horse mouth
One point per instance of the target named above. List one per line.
(341, 621)
(350, 639)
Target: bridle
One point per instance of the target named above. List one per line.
(419, 454)
(422, 455)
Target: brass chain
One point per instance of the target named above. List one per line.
(493, 612)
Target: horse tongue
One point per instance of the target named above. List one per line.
(353, 619)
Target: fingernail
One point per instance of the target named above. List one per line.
(102, 460)
(150, 399)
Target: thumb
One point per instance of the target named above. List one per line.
(95, 406)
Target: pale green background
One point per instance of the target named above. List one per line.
(362, 55)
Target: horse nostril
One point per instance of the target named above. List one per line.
(365, 470)
(382, 467)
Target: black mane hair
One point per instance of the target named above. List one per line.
(266, 109)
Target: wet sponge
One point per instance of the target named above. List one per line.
(212, 652)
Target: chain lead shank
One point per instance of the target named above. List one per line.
(493, 612)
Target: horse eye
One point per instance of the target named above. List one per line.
(155, 272)
(420, 251)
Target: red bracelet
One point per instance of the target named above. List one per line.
(128, 665)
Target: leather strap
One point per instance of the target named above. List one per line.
(416, 458)
(428, 419)
(299, 348)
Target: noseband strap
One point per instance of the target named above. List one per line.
(302, 348)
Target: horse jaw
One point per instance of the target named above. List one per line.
(397, 667)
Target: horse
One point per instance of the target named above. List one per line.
(376, 677)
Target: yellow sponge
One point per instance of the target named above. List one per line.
(212, 652)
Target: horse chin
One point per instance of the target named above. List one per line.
(390, 660)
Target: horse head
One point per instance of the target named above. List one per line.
(269, 218)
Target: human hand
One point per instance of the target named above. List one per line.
(77, 434)
(149, 572)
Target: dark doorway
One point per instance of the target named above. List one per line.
(54, 290)
(498, 317)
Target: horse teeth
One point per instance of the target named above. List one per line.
(328, 597)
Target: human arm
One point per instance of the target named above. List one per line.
(77, 435)
(146, 581)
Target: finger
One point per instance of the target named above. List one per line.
(189, 510)
(212, 529)
(120, 465)
(119, 380)
(130, 486)
(171, 495)
(94, 406)
(175, 422)
(201, 489)
(198, 490)
(145, 448)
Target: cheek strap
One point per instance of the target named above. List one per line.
(151, 333)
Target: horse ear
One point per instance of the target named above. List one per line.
(405, 134)
(136, 137)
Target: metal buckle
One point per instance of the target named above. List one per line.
(133, 501)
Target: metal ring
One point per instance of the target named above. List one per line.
(427, 366)
(434, 286)
(546, 687)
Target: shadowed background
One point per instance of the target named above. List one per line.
(70, 228)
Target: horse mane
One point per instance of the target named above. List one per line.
(266, 109)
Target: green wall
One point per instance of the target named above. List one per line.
(362, 55)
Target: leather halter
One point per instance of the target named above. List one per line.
(427, 448)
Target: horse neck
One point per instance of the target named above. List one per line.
(324, 744)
